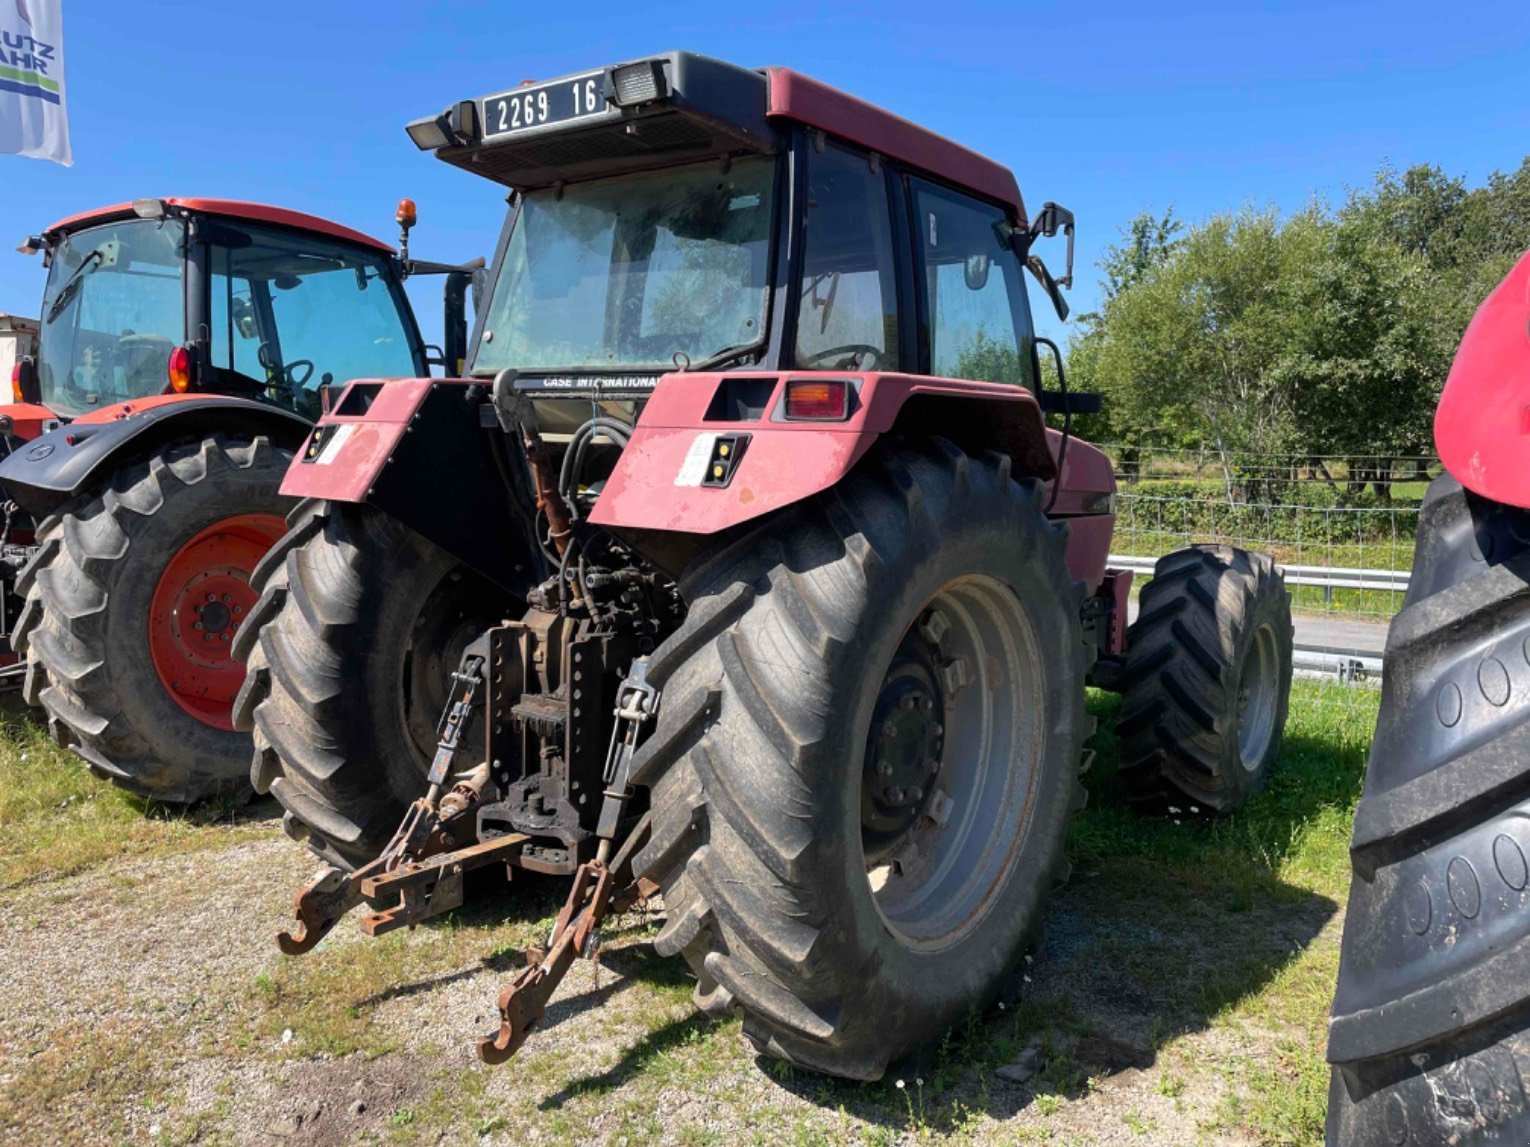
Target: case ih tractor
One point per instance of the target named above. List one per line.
(185, 342)
(753, 425)
(1431, 1020)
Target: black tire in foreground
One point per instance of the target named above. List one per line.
(867, 756)
(359, 624)
(1430, 1033)
(109, 644)
(1207, 679)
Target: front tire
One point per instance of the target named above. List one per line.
(360, 622)
(855, 838)
(1207, 679)
(112, 629)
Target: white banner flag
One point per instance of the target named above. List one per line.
(33, 120)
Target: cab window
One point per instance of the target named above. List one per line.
(978, 318)
(291, 312)
(847, 318)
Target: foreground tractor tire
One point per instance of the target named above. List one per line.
(132, 602)
(1207, 679)
(1430, 1035)
(359, 625)
(867, 756)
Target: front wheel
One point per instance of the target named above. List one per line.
(867, 757)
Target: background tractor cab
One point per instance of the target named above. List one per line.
(186, 344)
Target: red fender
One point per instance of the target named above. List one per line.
(1482, 425)
(654, 487)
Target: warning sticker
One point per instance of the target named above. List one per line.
(694, 468)
(333, 447)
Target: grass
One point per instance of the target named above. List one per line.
(57, 819)
(1198, 956)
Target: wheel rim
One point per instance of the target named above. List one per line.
(1256, 700)
(446, 624)
(202, 597)
(952, 758)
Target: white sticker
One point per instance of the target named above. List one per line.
(332, 448)
(694, 468)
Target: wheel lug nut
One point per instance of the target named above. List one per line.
(212, 597)
(906, 703)
(199, 625)
(238, 610)
(227, 598)
(932, 766)
(927, 704)
(884, 768)
(889, 728)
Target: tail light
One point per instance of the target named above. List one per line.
(16, 395)
(817, 399)
(179, 369)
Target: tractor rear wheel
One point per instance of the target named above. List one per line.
(1431, 1019)
(1207, 679)
(360, 622)
(131, 605)
(867, 757)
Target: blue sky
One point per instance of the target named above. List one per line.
(1108, 109)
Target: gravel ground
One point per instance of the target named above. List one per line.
(146, 1002)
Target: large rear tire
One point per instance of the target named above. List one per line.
(1430, 1034)
(117, 595)
(867, 757)
(360, 622)
(1207, 679)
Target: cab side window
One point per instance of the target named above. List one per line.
(848, 315)
(978, 317)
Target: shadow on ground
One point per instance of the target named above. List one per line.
(1168, 921)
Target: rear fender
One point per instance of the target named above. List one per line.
(657, 487)
(417, 450)
(44, 475)
(1482, 425)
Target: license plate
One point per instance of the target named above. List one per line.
(562, 101)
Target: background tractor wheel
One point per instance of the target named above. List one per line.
(1431, 1020)
(867, 756)
(359, 624)
(132, 602)
(1207, 679)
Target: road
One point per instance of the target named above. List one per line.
(1333, 633)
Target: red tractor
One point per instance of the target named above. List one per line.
(186, 344)
(753, 423)
(1431, 1020)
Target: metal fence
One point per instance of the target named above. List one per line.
(1342, 528)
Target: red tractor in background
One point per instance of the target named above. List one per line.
(753, 424)
(1430, 1033)
(183, 350)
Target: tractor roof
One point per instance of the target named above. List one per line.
(686, 108)
(230, 209)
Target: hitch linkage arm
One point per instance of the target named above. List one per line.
(601, 886)
(425, 889)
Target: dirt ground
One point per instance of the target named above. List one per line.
(146, 1002)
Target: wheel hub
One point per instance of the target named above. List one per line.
(202, 598)
(903, 753)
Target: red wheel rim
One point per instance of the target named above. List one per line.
(202, 598)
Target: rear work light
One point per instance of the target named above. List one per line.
(179, 369)
(817, 400)
(637, 84)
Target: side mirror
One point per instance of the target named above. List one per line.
(976, 270)
(1048, 284)
(1048, 222)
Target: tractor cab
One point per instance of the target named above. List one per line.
(680, 214)
(177, 296)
